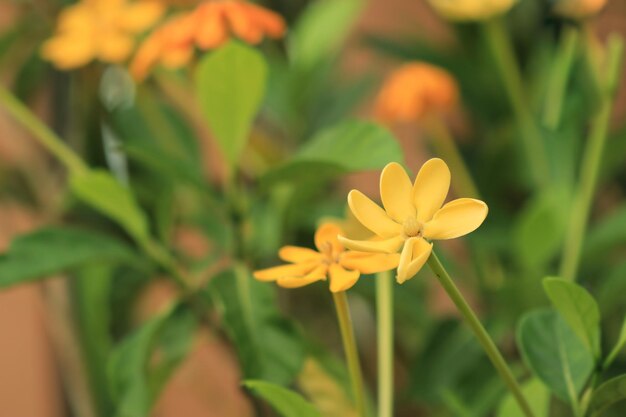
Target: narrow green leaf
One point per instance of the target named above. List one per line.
(347, 147)
(555, 353)
(321, 29)
(607, 394)
(537, 394)
(287, 403)
(619, 345)
(98, 189)
(231, 84)
(267, 344)
(134, 377)
(578, 308)
(52, 250)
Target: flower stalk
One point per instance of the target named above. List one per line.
(350, 350)
(592, 159)
(479, 331)
(384, 311)
(502, 51)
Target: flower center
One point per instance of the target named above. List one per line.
(412, 228)
(329, 257)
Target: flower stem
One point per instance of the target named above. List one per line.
(384, 311)
(479, 331)
(42, 133)
(591, 162)
(448, 150)
(502, 50)
(350, 349)
(560, 75)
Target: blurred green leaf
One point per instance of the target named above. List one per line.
(578, 308)
(555, 353)
(347, 147)
(231, 83)
(540, 228)
(321, 29)
(608, 233)
(134, 378)
(611, 288)
(539, 400)
(286, 402)
(102, 192)
(619, 345)
(607, 394)
(53, 250)
(267, 344)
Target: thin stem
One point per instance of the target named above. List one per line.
(592, 159)
(479, 331)
(559, 76)
(42, 133)
(384, 311)
(448, 150)
(351, 352)
(507, 65)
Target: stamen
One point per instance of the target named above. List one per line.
(412, 227)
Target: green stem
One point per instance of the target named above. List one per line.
(448, 150)
(479, 331)
(559, 76)
(351, 352)
(384, 311)
(590, 166)
(42, 133)
(502, 50)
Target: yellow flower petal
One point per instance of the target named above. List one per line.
(391, 245)
(68, 52)
(114, 47)
(326, 239)
(431, 188)
(369, 263)
(139, 16)
(414, 255)
(76, 18)
(318, 274)
(284, 271)
(396, 193)
(457, 218)
(342, 279)
(371, 215)
(297, 254)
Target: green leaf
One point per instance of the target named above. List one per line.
(53, 250)
(607, 394)
(267, 344)
(321, 29)
(134, 377)
(539, 401)
(555, 353)
(607, 234)
(98, 189)
(540, 228)
(347, 147)
(231, 84)
(578, 308)
(286, 402)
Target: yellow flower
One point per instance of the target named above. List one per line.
(413, 215)
(330, 260)
(99, 29)
(415, 90)
(578, 9)
(208, 26)
(471, 10)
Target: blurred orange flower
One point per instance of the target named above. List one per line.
(578, 9)
(208, 26)
(99, 29)
(330, 259)
(413, 91)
